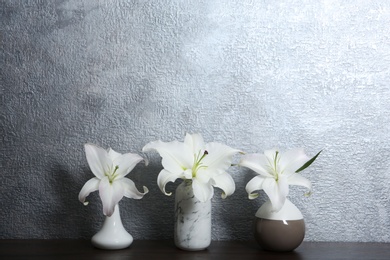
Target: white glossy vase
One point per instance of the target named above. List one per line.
(192, 219)
(283, 230)
(112, 235)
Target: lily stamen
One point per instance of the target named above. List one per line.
(113, 175)
(198, 163)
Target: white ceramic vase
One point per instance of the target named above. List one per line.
(283, 230)
(192, 219)
(112, 235)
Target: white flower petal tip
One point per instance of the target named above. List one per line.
(90, 186)
(197, 161)
(224, 182)
(146, 190)
(165, 177)
(164, 191)
(140, 195)
(146, 161)
(253, 196)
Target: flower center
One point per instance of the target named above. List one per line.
(112, 176)
(198, 162)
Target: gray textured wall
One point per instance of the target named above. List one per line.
(250, 74)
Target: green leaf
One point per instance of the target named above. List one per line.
(307, 164)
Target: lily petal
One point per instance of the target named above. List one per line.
(131, 191)
(226, 183)
(256, 162)
(270, 155)
(113, 154)
(187, 174)
(98, 160)
(195, 142)
(219, 157)
(110, 194)
(202, 191)
(164, 177)
(276, 191)
(256, 183)
(126, 163)
(292, 160)
(90, 186)
(204, 175)
(176, 157)
(297, 179)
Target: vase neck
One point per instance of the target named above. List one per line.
(187, 182)
(115, 217)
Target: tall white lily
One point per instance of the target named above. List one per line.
(276, 172)
(204, 164)
(110, 169)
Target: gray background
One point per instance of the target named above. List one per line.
(251, 74)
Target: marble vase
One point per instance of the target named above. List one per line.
(279, 231)
(112, 235)
(192, 219)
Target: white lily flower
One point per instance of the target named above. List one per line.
(276, 172)
(110, 169)
(204, 164)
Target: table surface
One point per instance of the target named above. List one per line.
(165, 249)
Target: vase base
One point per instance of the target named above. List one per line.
(191, 248)
(102, 242)
(279, 235)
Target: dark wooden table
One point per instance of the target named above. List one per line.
(150, 249)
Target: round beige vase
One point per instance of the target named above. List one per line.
(279, 231)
